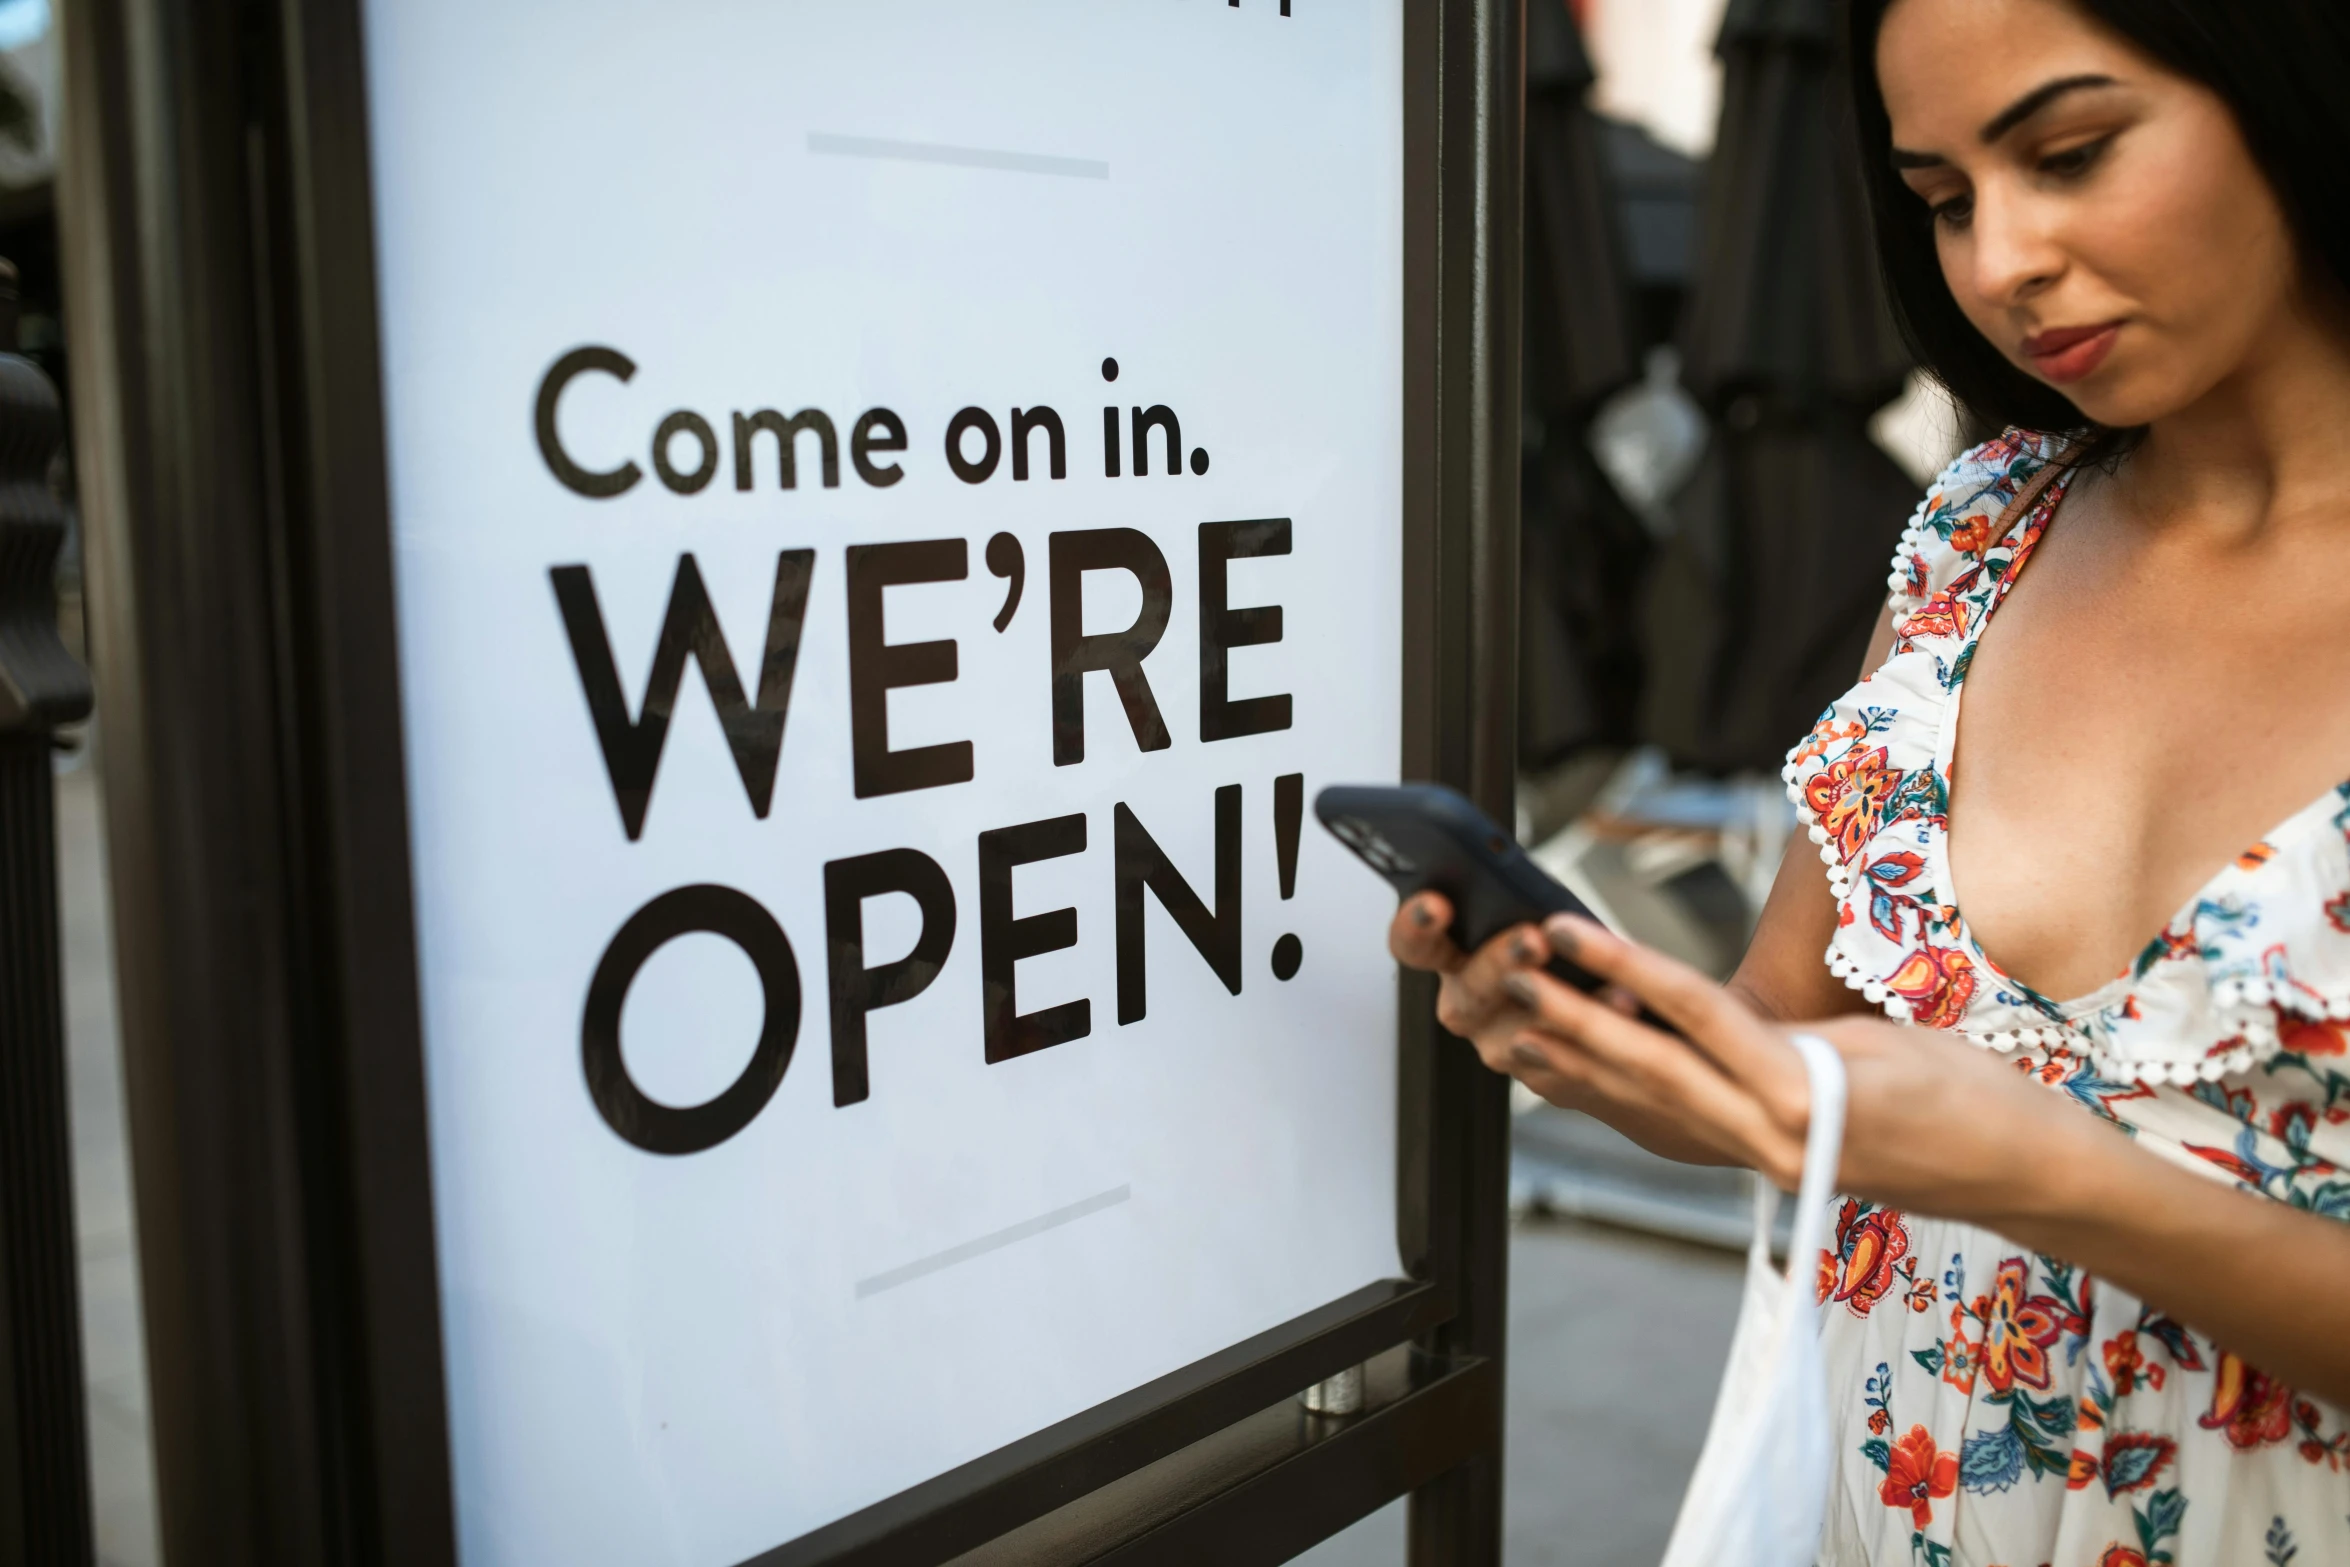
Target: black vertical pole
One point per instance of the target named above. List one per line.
(44, 1458)
(1469, 702)
(215, 221)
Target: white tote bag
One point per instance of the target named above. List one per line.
(1760, 1489)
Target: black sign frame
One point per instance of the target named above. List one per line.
(231, 453)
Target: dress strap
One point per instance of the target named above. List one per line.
(2029, 496)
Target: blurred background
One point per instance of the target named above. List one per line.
(1722, 440)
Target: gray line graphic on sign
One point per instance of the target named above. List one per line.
(996, 1242)
(961, 157)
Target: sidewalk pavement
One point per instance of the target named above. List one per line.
(114, 1355)
(1616, 1344)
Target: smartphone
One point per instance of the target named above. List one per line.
(1428, 838)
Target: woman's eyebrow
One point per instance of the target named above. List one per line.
(2009, 118)
(2033, 102)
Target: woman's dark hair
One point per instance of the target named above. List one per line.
(2280, 65)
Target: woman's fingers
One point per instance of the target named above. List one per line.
(1566, 1074)
(1545, 1061)
(1705, 1014)
(1662, 1066)
(1506, 954)
(1419, 935)
(1473, 1002)
(1659, 1073)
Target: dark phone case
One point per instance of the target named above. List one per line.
(1426, 837)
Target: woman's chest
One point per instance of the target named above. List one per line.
(2124, 730)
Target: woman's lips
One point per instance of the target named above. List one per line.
(2069, 353)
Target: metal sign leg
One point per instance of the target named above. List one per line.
(44, 1457)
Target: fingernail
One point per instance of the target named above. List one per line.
(1562, 936)
(1420, 915)
(1525, 1054)
(1519, 989)
(1522, 949)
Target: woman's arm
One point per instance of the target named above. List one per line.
(1785, 971)
(2266, 1280)
(1939, 1126)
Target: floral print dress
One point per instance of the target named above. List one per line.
(1995, 1407)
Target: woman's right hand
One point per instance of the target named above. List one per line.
(1471, 1002)
(1474, 1003)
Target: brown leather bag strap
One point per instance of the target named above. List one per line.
(2029, 496)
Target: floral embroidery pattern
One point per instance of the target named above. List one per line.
(2157, 1525)
(2010, 1392)
(1871, 1256)
(2134, 1460)
(1937, 983)
(1848, 795)
(2252, 1408)
(1917, 1474)
(1887, 875)
(2128, 1365)
(2017, 1330)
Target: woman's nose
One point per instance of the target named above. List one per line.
(2014, 255)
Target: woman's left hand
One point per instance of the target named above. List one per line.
(1932, 1124)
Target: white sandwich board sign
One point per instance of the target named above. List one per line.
(894, 507)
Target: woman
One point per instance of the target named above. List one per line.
(2090, 1300)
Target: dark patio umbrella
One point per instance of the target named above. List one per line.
(1582, 549)
(1576, 289)
(1763, 610)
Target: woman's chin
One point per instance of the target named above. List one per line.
(2114, 399)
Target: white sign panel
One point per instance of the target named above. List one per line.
(896, 508)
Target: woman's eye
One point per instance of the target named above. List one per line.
(1955, 213)
(2074, 161)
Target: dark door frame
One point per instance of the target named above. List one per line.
(222, 316)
